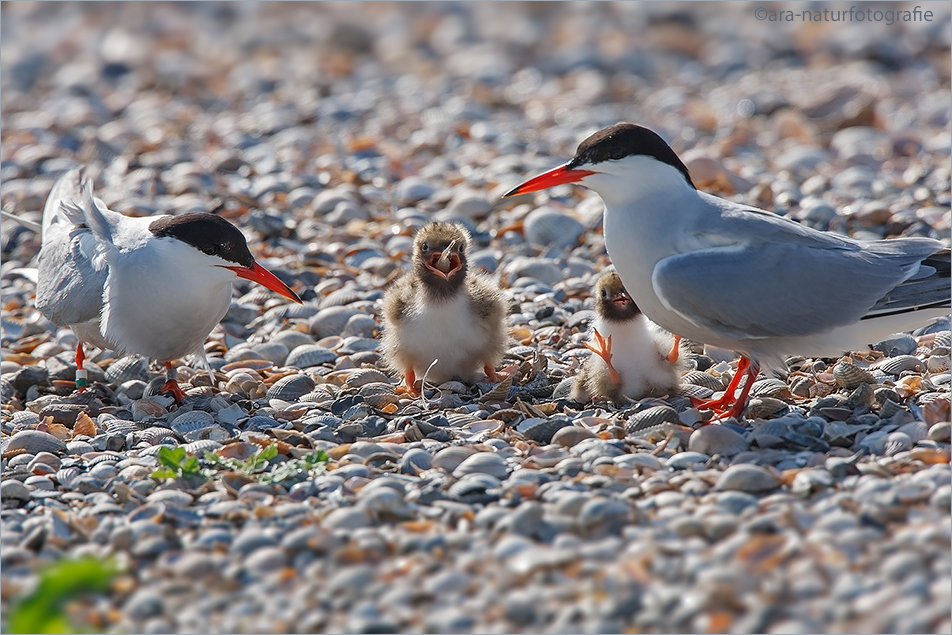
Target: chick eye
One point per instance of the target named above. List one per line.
(424, 247)
(604, 294)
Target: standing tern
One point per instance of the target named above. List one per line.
(743, 278)
(154, 286)
(442, 311)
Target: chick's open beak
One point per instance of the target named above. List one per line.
(445, 263)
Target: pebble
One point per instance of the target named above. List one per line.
(467, 509)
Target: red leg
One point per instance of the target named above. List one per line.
(172, 384)
(491, 373)
(603, 348)
(81, 375)
(738, 408)
(728, 397)
(675, 350)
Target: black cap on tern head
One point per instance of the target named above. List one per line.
(208, 233)
(622, 140)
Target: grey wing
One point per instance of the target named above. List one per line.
(70, 287)
(768, 290)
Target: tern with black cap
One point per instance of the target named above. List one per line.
(739, 277)
(153, 286)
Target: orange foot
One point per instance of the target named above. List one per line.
(171, 386)
(491, 373)
(675, 350)
(720, 405)
(409, 384)
(603, 348)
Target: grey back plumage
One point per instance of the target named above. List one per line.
(66, 264)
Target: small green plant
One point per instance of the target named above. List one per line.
(43, 610)
(176, 463)
(296, 470)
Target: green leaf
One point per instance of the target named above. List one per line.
(171, 457)
(164, 473)
(191, 465)
(42, 610)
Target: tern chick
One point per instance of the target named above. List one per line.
(153, 286)
(633, 357)
(440, 310)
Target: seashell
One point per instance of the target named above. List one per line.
(309, 355)
(128, 368)
(331, 320)
(67, 476)
(293, 339)
(747, 478)
(120, 426)
(693, 390)
(24, 418)
(361, 325)
(699, 378)
(153, 450)
(897, 442)
(271, 351)
(763, 407)
(650, 417)
(320, 394)
(800, 385)
(542, 431)
(97, 458)
(200, 446)
(363, 376)
(500, 392)
(938, 363)
(770, 387)
(449, 458)
(291, 388)
(715, 439)
(415, 461)
(213, 432)
(191, 421)
(455, 387)
(34, 442)
(157, 435)
(916, 430)
(899, 364)
(475, 488)
(377, 388)
(381, 401)
(943, 338)
(260, 423)
(570, 436)
(520, 353)
(897, 344)
(153, 407)
(247, 364)
(245, 384)
(848, 375)
(386, 503)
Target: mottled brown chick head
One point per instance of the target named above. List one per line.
(439, 256)
(612, 301)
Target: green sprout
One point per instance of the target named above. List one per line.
(177, 464)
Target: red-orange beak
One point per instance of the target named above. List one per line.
(436, 260)
(262, 276)
(621, 300)
(555, 176)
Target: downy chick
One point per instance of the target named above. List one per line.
(440, 310)
(633, 358)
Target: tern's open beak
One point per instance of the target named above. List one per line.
(444, 266)
(555, 176)
(621, 299)
(262, 276)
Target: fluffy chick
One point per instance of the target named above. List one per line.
(633, 357)
(441, 310)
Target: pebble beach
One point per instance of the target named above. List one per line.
(295, 489)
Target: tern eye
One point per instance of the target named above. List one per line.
(617, 154)
(212, 250)
(424, 247)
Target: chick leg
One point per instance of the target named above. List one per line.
(675, 350)
(491, 373)
(81, 375)
(603, 348)
(171, 384)
(409, 380)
